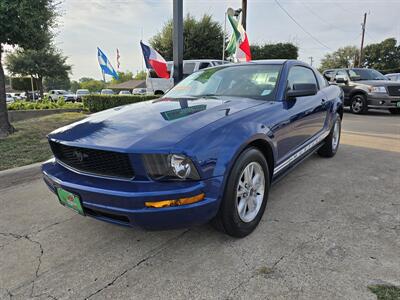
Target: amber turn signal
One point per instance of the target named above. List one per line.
(181, 201)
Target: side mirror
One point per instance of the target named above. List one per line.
(341, 79)
(302, 90)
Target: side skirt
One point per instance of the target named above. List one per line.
(285, 167)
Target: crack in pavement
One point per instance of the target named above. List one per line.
(39, 258)
(39, 262)
(150, 254)
(301, 245)
(19, 236)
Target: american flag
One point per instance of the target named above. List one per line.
(118, 56)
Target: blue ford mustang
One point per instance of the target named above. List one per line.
(207, 150)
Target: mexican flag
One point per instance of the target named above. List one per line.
(238, 45)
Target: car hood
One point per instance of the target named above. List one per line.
(153, 125)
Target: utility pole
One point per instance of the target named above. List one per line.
(177, 50)
(362, 39)
(244, 13)
(311, 60)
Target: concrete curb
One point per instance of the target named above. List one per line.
(16, 176)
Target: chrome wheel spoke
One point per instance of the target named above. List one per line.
(250, 191)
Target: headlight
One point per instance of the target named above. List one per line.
(170, 167)
(378, 89)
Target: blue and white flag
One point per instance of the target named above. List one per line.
(105, 64)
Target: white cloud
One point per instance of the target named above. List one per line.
(112, 24)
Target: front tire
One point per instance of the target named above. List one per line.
(331, 143)
(358, 104)
(245, 196)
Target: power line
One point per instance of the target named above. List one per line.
(301, 27)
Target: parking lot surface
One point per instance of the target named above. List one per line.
(331, 228)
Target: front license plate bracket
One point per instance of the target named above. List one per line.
(70, 200)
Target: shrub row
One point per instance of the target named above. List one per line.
(42, 104)
(95, 103)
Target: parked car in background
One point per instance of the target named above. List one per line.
(16, 96)
(159, 86)
(107, 92)
(54, 95)
(207, 150)
(139, 91)
(80, 93)
(124, 93)
(393, 76)
(9, 98)
(366, 88)
(29, 96)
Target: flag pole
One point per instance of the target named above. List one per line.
(223, 39)
(104, 77)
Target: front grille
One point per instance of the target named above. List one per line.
(394, 90)
(98, 162)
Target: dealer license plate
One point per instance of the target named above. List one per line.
(70, 200)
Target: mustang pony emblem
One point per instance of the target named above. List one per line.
(80, 155)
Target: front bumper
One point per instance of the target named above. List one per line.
(122, 202)
(380, 100)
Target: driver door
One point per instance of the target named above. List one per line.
(305, 115)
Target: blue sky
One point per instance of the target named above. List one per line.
(111, 24)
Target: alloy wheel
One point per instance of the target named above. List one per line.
(250, 191)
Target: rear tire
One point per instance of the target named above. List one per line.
(331, 143)
(394, 111)
(245, 195)
(358, 104)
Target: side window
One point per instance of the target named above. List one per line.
(204, 65)
(298, 75)
(188, 68)
(321, 80)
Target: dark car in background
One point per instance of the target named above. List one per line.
(366, 88)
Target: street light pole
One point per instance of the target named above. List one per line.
(178, 40)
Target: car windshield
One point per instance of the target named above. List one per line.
(82, 92)
(252, 80)
(365, 74)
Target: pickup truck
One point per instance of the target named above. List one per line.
(366, 88)
(208, 150)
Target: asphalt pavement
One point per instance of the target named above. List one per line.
(331, 228)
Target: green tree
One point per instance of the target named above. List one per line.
(84, 79)
(274, 51)
(201, 38)
(123, 77)
(57, 83)
(23, 84)
(141, 75)
(344, 57)
(382, 56)
(75, 85)
(24, 23)
(45, 62)
(93, 85)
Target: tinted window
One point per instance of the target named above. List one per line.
(188, 68)
(204, 65)
(365, 74)
(253, 81)
(298, 75)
